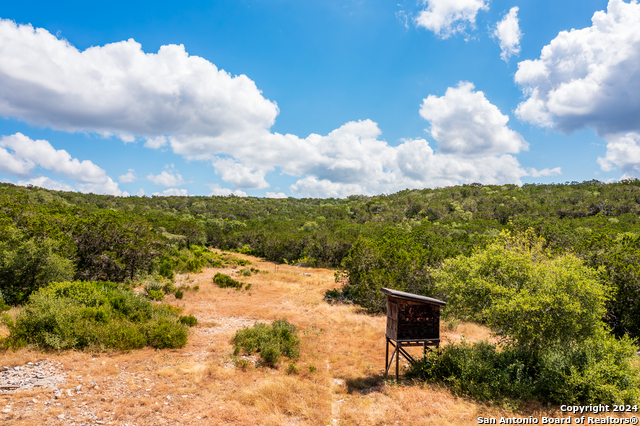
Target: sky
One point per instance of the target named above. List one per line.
(316, 98)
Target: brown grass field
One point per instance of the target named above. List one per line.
(200, 385)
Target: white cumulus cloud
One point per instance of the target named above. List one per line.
(166, 178)
(448, 17)
(21, 156)
(218, 191)
(623, 152)
(508, 33)
(241, 176)
(121, 90)
(464, 122)
(556, 171)
(172, 191)
(128, 177)
(46, 182)
(590, 77)
(275, 195)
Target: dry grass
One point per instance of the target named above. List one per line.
(339, 379)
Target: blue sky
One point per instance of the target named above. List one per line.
(316, 98)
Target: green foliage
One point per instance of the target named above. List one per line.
(548, 309)
(155, 294)
(27, 264)
(168, 287)
(479, 370)
(236, 261)
(116, 238)
(524, 294)
(292, 369)
(599, 371)
(179, 294)
(395, 259)
(270, 341)
(96, 315)
(245, 272)
(188, 320)
(164, 333)
(618, 257)
(225, 281)
(113, 247)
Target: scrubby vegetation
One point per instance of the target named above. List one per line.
(548, 310)
(598, 371)
(189, 320)
(93, 315)
(225, 281)
(554, 270)
(271, 341)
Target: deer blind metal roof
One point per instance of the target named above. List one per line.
(411, 296)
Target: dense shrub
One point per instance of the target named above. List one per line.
(401, 258)
(112, 246)
(618, 257)
(549, 311)
(394, 260)
(225, 281)
(479, 370)
(27, 264)
(163, 333)
(598, 371)
(270, 341)
(96, 315)
(189, 320)
(155, 294)
(523, 293)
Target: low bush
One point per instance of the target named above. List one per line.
(153, 288)
(270, 341)
(188, 320)
(168, 288)
(94, 315)
(3, 304)
(478, 370)
(245, 272)
(162, 333)
(155, 294)
(292, 369)
(179, 294)
(225, 281)
(599, 371)
(235, 261)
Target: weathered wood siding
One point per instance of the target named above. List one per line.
(412, 320)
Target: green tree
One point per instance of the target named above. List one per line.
(27, 264)
(113, 246)
(524, 294)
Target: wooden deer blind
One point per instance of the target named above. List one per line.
(412, 320)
